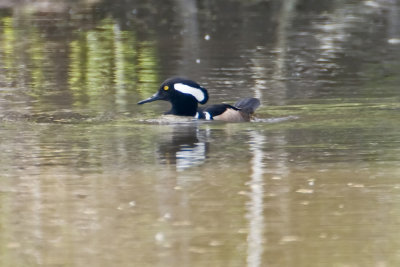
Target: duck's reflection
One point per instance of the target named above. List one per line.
(185, 147)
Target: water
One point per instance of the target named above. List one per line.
(87, 177)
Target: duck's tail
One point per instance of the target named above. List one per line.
(248, 105)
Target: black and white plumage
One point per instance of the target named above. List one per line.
(185, 95)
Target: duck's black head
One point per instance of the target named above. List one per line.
(183, 94)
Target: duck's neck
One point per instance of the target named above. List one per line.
(183, 105)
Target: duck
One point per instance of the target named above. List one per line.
(185, 96)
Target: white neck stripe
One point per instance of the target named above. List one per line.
(186, 89)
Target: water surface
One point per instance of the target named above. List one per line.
(88, 177)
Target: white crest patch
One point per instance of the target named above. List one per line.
(186, 89)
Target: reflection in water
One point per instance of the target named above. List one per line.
(189, 49)
(280, 72)
(74, 70)
(255, 216)
(109, 61)
(185, 147)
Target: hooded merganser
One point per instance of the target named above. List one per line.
(184, 95)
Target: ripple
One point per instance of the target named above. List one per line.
(276, 120)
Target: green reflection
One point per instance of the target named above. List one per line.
(147, 64)
(107, 61)
(8, 46)
(39, 58)
(100, 61)
(100, 68)
(125, 64)
(77, 67)
(23, 46)
(28, 59)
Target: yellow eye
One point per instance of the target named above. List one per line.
(166, 87)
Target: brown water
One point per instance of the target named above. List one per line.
(87, 177)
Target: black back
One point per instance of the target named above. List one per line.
(216, 110)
